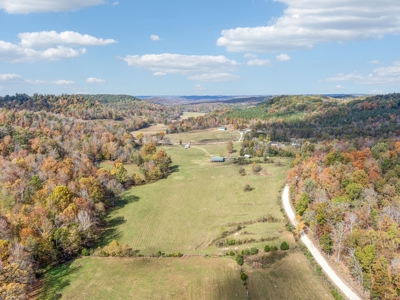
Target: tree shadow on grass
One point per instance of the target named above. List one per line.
(56, 279)
(174, 169)
(111, 232)
(127, 199)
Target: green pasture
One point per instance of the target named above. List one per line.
(189, 114)
(147, 278)
(195, 204)
(204, 136)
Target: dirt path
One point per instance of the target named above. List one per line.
(315, 252)
(208, 153)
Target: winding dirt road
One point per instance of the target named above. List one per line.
(315, 252)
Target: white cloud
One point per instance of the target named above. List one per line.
(250, 56)
(182, 64)
(115, 3)
(63, 82)
(283, 57)
(17, 54)
(306, 23)
(377, 92)
(95, 80)
(374, 62)
(11, 78)
(48, 46)
(154, 37)
(216, 77)
(384, 76)
(16, 78)
(35, 6)
(259, 62)
(199, 87)
(53, 38)
(159, 74)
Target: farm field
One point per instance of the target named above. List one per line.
(198, 202)
(193, 211)
(151, 130)
(130, 168)
(153, 279)
(204, 136)
(188, 114)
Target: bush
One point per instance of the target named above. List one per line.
(256, 168)
(284, 246)
(243, 276)
(267, 248)
(85, 252)
(248, 188)
(242, 171)
(246, 252)
(274, 248)
(239, 260)
(231, 242)
(253, 251)
(231, 253)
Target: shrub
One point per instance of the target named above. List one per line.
(239, 260)
(253, 251)
(85, 252)
(274, 248)
(231, 242)
(243, 276)
(267, 248)
(246, 252)
(242, 171)
(256, 168)
(248, 188)
(231, 253)
(284, 246)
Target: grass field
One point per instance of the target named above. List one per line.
(204, 136)
(195, 204)
(130, 168)
(151, 130)
(192, 278)
(190, 212)
(188, 114)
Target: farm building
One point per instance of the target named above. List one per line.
(247, 156)
(223, 128)
(217, 159)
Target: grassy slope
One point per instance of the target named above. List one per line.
(209, 136)
(195, 204)
(183, 278)
(187, 210)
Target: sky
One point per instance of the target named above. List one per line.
(181, 47)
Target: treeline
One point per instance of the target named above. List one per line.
(53, 196)
(321, 118)
(347, 195)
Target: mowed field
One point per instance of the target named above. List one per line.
(205, 136)
(198, 202)
(187, 278)
(188, 212)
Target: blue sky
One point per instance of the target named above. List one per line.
(176, 47)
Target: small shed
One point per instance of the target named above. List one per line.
(247, 156)
(187, 146)
(223, 128)
(217, 159)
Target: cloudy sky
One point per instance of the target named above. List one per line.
(181, 47)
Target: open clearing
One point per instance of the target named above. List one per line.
(184, 278)
(196, 204)
(194, 211)
(166, 278)
(205, 136)
(188, 114)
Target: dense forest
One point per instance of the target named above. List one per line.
(347, 194)
(53, 195)
(323, 118)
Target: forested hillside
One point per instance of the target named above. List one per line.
(53, 195)
(316, 118)
(347, 195)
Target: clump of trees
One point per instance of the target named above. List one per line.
(348, 195)
(53, 195)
